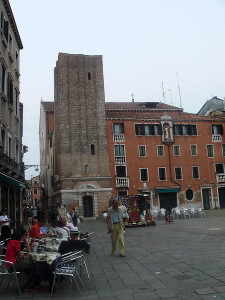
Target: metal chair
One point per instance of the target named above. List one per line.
(68, 268)
(4, 272)
(185, 213)
(88, 238)
(201, 213)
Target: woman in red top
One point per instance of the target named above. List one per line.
(21, 263)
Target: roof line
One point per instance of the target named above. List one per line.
(13, 23)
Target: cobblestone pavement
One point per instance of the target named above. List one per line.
(183, 260)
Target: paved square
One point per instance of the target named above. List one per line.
(184, 260)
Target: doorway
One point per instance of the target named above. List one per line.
(206, 196)
(171, 197)
(222, 197)
(88, 206)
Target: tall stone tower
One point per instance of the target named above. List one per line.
(82, 175)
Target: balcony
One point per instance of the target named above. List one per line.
(122, 182)
(120, 160)
(220, 178)
(119, 137)
(216, 138)
(7, 164)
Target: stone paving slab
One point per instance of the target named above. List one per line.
(182, 261)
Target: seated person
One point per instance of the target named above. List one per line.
(73, 244)
(14, 255)
(62, 230)
(35, 231)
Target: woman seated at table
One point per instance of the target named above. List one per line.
(20, 262)
(35, 231)
(62, 230)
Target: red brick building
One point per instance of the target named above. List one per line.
(96, 149)
(159, 150)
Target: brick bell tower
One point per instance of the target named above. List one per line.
(82, 175)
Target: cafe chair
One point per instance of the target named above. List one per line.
(4, 273)
(82, 264)
(68, 267)
(88, 238)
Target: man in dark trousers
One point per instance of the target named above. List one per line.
(73, 244)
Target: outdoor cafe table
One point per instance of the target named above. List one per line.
(45, 256)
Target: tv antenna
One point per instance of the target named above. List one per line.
(171, 97)
(163, 93)
(132, 97)
(179, 91)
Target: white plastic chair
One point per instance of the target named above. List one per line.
(185, 213)
(201, 213)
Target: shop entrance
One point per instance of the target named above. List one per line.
(88, 206)
(222, 197)
(171, 197)
(206, 195)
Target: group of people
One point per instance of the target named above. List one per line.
(21, 241)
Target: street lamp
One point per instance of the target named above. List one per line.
(36, 167)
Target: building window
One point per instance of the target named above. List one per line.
(189, 194)
(195, 172)
(10, 90)
(223, 149)
(210, 151)
(2, 78)
(160, 150)
(121, 171)
(178, 173)
(118, 128)
(144, 175)
(16, 101)
(3, 138)
(185, 129)
(176, 150)
(4, 27)
(148, 129)
(119, 150)
(142, 151)
(35, 182)
(17, 153)
(10, 147)
(219, 168)
(10, 43)
(35, 191)
(162, 174)
(92, 149)
(89, 75)
(217, 129)
(17, 60)
(194, 150)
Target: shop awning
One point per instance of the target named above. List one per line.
(172, 190)
(11, 180)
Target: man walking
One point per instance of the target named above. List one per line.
(115, 225)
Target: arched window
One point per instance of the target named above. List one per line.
(92, 149)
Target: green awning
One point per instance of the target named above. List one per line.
(11, 180)
(173, 190)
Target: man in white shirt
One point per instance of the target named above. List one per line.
(5, 222)
(62, 230)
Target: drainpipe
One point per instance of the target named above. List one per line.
(171, 179)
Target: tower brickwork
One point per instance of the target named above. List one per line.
(81, 150)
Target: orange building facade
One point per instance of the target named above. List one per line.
(160, 151)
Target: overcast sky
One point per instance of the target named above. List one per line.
(143, 42)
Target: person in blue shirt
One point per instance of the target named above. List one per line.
(115, 225)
